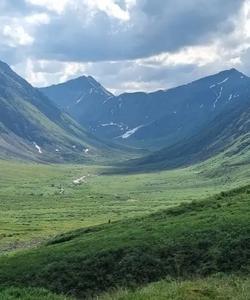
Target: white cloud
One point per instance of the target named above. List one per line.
(38, 19)
(111, 8)
(16, 35)
(57, 6)
(199, 55)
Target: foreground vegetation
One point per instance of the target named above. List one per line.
(214, 288)
(29, 294)
(196, 239)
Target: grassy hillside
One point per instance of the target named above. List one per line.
(215, 288)
(29, 294)
(212, 288)
(195, 239)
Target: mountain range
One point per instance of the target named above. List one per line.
(80, 119)
(151, 120)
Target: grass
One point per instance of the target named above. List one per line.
(28, 294)
(40, 201)
(214, 288)
(195, 239)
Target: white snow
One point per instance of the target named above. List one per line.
(86, 150)
(74, 146)
(109, 124)
(225, 80)
(219, 83)
(110, 97)
(38, 147)
(218, 97)
(128, 134)
(121, 126)
(80, 99)
(57, 150)
(230, 97)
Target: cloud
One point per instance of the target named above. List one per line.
(126, 44)
(16, 35)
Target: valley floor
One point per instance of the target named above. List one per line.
(40, 201)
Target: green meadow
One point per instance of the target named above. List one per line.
(40, 201)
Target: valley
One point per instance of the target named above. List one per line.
(92, 211)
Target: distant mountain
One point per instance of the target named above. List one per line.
(151, 120)
(228, 135)
(81, 97)
(31, 126)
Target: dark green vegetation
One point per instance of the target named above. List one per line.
(28, 294)
(215, 288)
(195, 239)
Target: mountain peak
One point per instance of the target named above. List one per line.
(233, 72)
(4, 67)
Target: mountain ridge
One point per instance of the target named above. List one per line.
(164, 117)
(38, 129)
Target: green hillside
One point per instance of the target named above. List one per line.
(195, 239)
(32, 127)
(214, 288)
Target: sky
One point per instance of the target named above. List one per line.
(127, 45)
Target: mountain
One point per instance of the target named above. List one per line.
(81, 97)
(151, 120)
(31, 126)
(227, 138)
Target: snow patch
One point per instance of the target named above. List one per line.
(223, 81)
(37, 147)
(129, 133)
(219, 83)
(119, 125)
(80, 99)
(218, 97)
(86, 150)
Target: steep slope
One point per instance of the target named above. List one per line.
(31, 126)
(228, 134)
(158, 119)
(81, 97)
